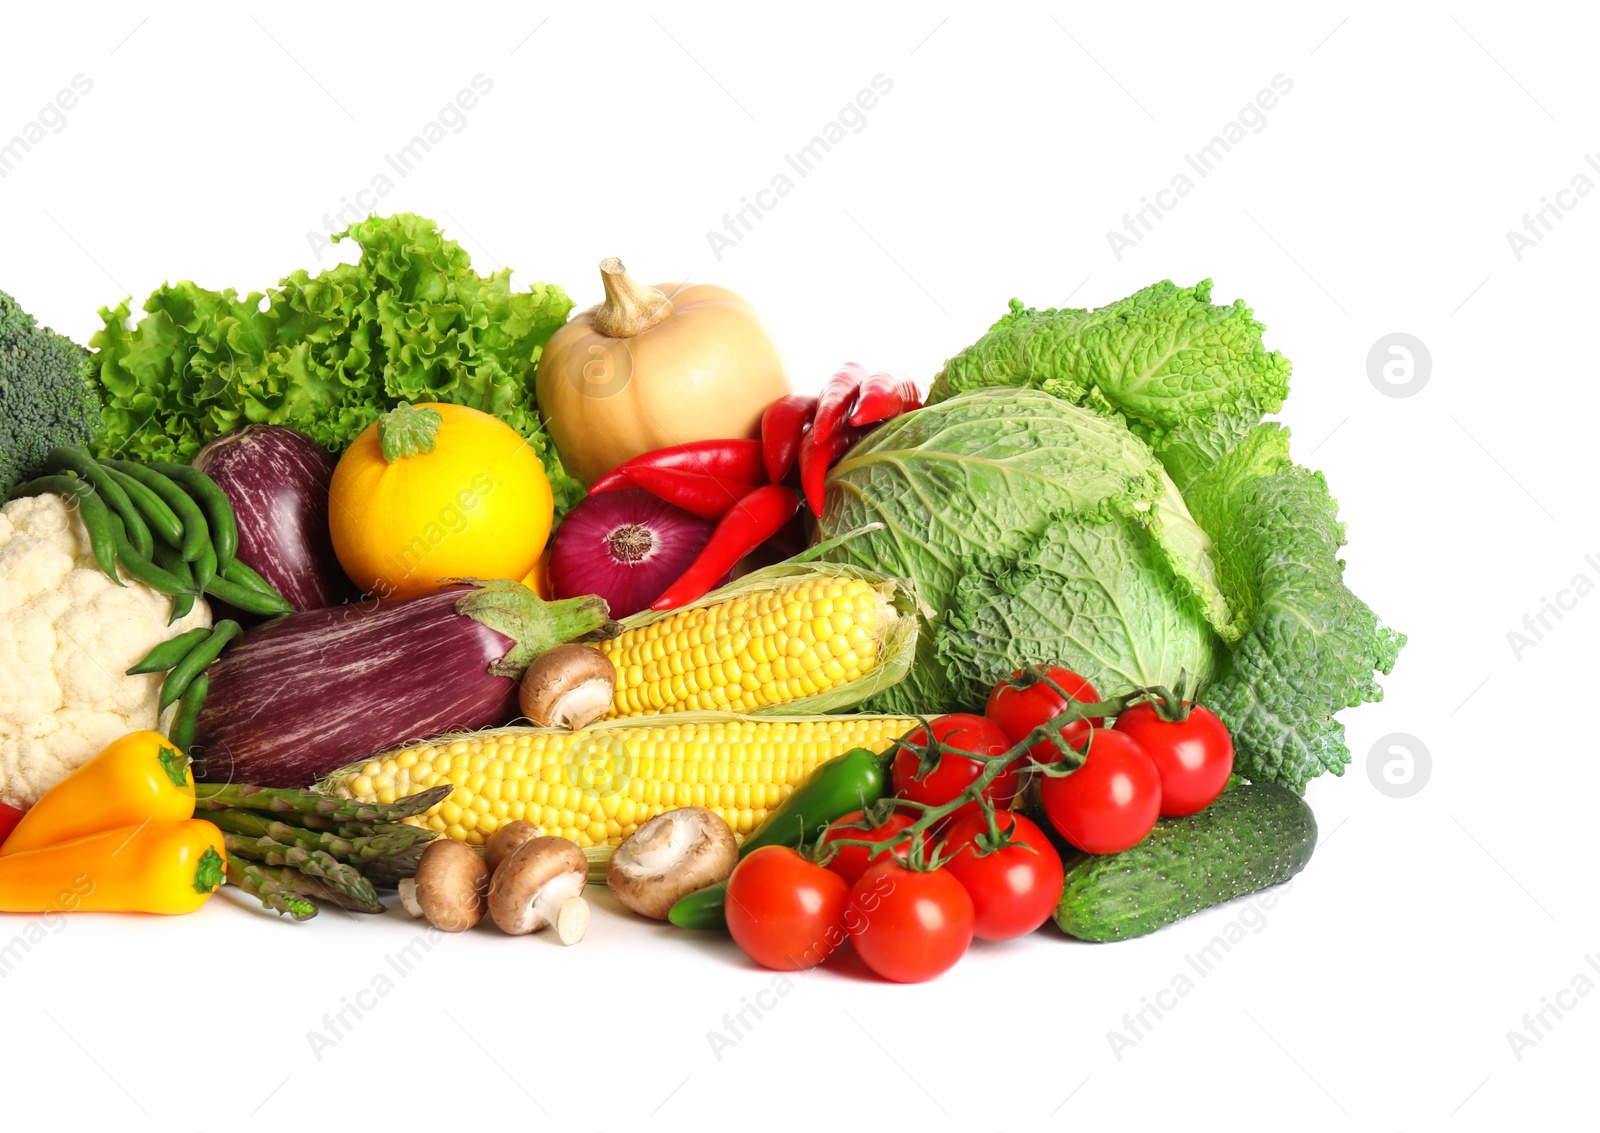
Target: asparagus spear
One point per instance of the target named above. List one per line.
(271, 886)
(287, 801)
(316, 888)
(316, 863)
(387, 839)
(394, 868)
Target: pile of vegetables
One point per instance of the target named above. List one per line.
(1066, 643)
(1098, 488)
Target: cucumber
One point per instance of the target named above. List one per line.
(1253, 836)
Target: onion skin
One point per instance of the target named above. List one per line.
(300, 697)
(277, 481)
(580, 564)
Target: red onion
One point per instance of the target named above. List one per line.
(626, 546)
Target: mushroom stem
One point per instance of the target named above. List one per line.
(408, 897)
(630, 307)
(553, 896)
(572, 921)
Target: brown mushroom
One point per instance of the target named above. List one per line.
(508, 840)
(569, 687)
(450, 888)
(674, 854)
(532, 889)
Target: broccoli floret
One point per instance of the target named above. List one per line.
(46, 398)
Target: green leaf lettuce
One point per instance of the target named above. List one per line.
(327, 353)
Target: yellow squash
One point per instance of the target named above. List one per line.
(652, 367)
(432, 492)
(138, 777)
(148, 867)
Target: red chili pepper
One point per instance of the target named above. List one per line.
(756, 518)
(709, 497)
(738, 460)
(815, 460)
(782, 426)
(9, 817)
(884, 396)
(833, 407)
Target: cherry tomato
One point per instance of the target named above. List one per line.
(955, 773)
(9, 817)
(909, 925)
(1019, 711)
(850, 862)
(785, 912)
(1014, 889)
(1111, 802)
(1194, 757)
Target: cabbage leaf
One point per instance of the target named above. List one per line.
(1186, 376)
(1310, 646)
(1032, 530)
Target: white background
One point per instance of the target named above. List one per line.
(1376, 199)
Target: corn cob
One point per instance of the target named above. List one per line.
(796, 639)
(598, 785)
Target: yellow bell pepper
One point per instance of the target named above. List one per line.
(140, 776)
(148, 867)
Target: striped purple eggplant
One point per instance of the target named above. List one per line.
(277, 481)
(297, 698)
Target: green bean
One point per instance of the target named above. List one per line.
(195, 661)
(205, 566)
(195, 532)
(71, 458)
(170, 652)
(143, 569)
(240, 573)
(181, 605)
(224, 533)
(181, 731)
(97, 518)
(171, 559)
(161, 519)
(246, 599)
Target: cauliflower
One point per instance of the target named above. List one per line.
(67, 634)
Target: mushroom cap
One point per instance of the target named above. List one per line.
(508, 839)
(452, 884)
(674, 854)
(571, 686)
(532, 884)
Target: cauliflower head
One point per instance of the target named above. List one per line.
(67, 636)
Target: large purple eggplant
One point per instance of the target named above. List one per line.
(277, 481)
(304, 695)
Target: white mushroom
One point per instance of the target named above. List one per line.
(533, 886)
(450, 888)
(569, 687)
(674, 854)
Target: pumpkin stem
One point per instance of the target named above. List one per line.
(408, 430)
(630, 307)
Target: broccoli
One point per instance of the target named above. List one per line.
(45, 395)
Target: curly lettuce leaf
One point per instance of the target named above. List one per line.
(1187, 377)
(1310, 646)
(327, 354)
(1030, 528)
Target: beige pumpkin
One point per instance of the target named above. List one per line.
(652, 367)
